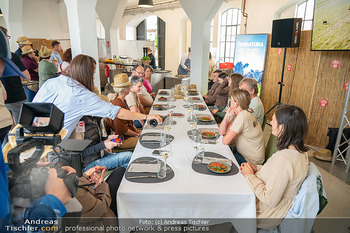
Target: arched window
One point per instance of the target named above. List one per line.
(230, 24)
(305, 10)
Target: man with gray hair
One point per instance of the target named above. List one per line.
(251, 85)
(133, 101)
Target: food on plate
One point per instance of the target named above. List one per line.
(157, 106)
(218, 167)
(163, 98)
(207, 134)
(196, 98)
(205, 119)
(163, 92)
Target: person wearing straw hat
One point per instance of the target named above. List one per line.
(28, 55)
(22, 41)
(121, 86)
(47, 69)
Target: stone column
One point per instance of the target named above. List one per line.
(110, 13)
(82, 29)
(200, 12)
(12, 12)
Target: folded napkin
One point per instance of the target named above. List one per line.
(141, 167)
(208, 160)
(149, 138)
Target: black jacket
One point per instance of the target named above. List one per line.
(92, 132)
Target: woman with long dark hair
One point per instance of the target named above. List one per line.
(73, 94)
(277, 182)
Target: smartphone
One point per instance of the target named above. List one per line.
(120, 138)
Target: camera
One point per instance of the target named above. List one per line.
(40, 125)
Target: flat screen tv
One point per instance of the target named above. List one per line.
(331, 27)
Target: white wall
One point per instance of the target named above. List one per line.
(172, 19)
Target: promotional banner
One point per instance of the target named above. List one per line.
(250, 53)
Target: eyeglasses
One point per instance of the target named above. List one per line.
(8, 36)
(140, 73)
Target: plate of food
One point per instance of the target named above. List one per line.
(158, 107)
(162, 99)
(196, 98)
(207, 134)
(219, 167)
(200, 107)
(205, 119)
(163, 92)
(193, 93)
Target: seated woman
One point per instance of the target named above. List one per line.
(277, 182)
(147, 80)
(73, 94)
(233, 83)
(219, 98)
(133, 100)
(27, 57)
(121, 87)
(241, 125)
(99, 200)
(95, 154)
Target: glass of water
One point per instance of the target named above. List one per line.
(166, 152)
(198, 147)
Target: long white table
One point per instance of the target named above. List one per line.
(189, 194)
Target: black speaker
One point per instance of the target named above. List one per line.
(286, 33)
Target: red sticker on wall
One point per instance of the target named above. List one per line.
(279, 51)
(289, 67)
(346, 85)
(335, 64)
(107, 43)
(323, 103)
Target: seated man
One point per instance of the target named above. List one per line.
(251, 85)
(95, 154)
(145, 98)
(133, 101)
(213, 88)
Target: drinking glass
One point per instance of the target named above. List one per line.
(162, 141)
(193, 123)
(161, 174)
(167, 125)
(166, 152)
(199, 148)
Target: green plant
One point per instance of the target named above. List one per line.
(146, 59)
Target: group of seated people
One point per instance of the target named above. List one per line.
(235, 101)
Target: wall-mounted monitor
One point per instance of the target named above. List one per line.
(331, 26)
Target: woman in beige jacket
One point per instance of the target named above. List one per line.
(277, 182)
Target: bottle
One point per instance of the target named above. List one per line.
(154, 123)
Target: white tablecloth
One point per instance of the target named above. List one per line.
(189, 194)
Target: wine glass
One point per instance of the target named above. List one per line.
(166, 152)
(167, 125)
(193, 123)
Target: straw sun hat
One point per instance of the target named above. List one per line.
(45, 52)
(323, 154)
(23, 40)
(121, 81)
(27, 49)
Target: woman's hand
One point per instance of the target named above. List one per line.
(109, 144)
(93, 174)
(214, 111)
(246, 169)
(230, 113)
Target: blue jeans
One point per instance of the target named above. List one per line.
(137, 124)
(111, 161)
(240, 159)
(30, 94)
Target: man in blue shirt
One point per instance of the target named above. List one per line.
(56, 47)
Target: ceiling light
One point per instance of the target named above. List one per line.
(145, 3)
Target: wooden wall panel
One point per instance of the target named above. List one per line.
(37, 43)
(311, 79)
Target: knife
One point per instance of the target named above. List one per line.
(136, 177)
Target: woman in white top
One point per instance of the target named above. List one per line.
(73, 94)
(239, 124)
(278, 181)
